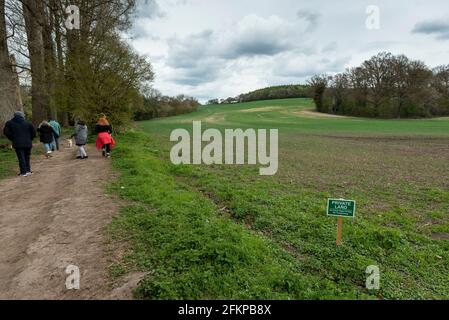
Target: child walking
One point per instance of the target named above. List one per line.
(81, 139)
(46, 137)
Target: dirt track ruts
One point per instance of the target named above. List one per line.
(53, 219)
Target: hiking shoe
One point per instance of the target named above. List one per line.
(79, 157)
(86, 157)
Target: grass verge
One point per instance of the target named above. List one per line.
(8, 160)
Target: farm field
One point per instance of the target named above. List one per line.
(214, 232)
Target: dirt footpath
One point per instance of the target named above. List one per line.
(53, 219)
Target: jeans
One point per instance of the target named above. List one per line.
(24, 155)
(55, 144)
(47, 147)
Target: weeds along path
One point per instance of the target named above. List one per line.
(53, 219)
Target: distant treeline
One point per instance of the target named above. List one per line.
(277, 92)
(386, 86)
(270, 93)
(158, 106)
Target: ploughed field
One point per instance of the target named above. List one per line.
(211, 232)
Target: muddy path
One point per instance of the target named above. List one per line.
(53, 219)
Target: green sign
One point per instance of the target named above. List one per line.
(341, 208)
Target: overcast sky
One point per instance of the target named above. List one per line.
(221, 48)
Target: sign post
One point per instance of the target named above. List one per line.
(340, 208)
(339, 230)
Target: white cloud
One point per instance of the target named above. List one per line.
(215, 49)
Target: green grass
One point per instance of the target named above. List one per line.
(286, 118)
(191, 249)
(225, 232)
(8, 160)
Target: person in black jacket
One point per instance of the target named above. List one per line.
(46, 137)
(21, 133)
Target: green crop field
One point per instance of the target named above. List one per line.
(213, 232)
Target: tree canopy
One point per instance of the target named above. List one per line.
(385, 86)
(79, 71)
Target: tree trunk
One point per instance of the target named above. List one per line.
(60, 100)
(16, 84)
(50, 61)
(33, 12)
(8, 78)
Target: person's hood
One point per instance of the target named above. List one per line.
(19, 117)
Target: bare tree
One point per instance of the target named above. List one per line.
(385, 86)
(318, 85)
(78, 72)
(10, 99)
(379, 78)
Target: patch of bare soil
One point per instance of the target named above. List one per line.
(53, 219)
(309, 113)
(263, 109)
(391, 138)
(440, 236)
(216, 118)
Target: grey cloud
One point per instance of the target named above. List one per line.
(258, 46)
(310, 17)
(307, 70)
(139, 31)
(379, 45)
(149, 9)
(438, 28)
(188, 52)
(253, 36)
(203, 72)
(331, 47)
(191, 58)
(257, 36)
(145, 10)
(201, 57)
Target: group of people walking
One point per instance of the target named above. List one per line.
(49, 133)
(22, 133)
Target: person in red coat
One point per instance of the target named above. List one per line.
(105, 141)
